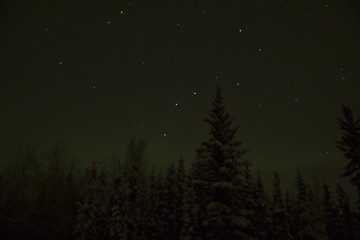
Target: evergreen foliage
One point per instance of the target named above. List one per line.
(156, 216)
(309, 222)
(279, 215)
(346, 217)
(90, 215)
(215, 179)
(331, 214)
(262, 214)
(43, 196)
(119, 209)
(135, 179)
(349, 144)
(191, 212)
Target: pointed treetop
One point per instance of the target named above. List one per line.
(221, 121)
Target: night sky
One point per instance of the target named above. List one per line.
(93, 74)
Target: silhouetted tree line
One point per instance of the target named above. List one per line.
(44, 196)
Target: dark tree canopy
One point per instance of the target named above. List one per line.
(42, 196)
(350, 143)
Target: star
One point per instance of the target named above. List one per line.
(260, 49)
(296, 99)
(108, 22)
(121, 12)
(165, 134)
(60, 63)
(195, 93)
(240, 30)
(238, 84)
(176, 104)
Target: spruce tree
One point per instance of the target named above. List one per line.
(171, 190)
(280, 223)
(102, 206)
(155, 214)
(349, 144)
(290, 210)
(330, 214)
(181, 185)
(309, 222)
(191, 211)
(119, 209)
(88, 225)
(71, 197)
(346, 218)
(262, 219)
(215, 179)
(249, 204)
(174, 188)
(135, 178)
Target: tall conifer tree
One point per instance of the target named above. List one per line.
(88, 224)
(191, 212)
(349, 144)
(119, 209)
(330, 214)
(155, 214)
(181, 185)
(346, 218)
(262, 219)
(216, 173)
(280, 223)
(135, 178)
(309, 221)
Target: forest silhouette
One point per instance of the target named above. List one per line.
(44, 194)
